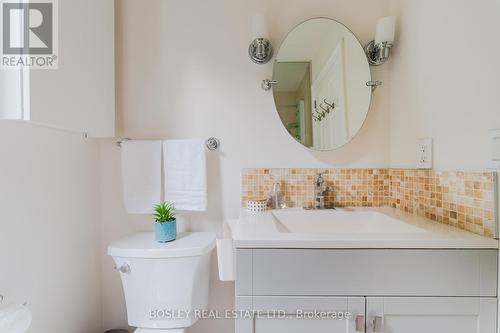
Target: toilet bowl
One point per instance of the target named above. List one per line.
(164, 283)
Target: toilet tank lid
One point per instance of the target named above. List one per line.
(144, 245)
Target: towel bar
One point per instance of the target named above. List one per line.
(212, 143)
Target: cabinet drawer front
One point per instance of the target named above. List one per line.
(373, 272)
(288, 317)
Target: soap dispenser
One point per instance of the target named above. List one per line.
(276, 196)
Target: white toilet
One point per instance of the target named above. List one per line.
(163, 282)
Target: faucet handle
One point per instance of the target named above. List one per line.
(319, 178)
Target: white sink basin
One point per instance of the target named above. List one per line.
(349, 228)
(339, 222)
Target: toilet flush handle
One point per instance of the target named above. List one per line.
(124, 268)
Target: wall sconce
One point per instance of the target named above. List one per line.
(260, 49)
(379, 50)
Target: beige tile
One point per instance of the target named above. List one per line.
(462, 199)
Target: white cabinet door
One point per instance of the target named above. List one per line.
(431, 315)
(302, 315)
(80, 94)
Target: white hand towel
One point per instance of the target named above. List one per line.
(185, 170)
(141, 175)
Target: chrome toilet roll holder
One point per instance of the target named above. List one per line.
(2, 299)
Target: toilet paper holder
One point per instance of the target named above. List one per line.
(226, 257)
(2, 299)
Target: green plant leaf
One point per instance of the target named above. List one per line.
(164, 212)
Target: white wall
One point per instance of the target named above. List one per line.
(183, 72)
(49, 230)
(444, 81)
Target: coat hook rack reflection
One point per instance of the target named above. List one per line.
(331, 105)
(326, 110)
(316, 115)
(320, 115)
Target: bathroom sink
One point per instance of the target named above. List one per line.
(348, 228)
(340, 221)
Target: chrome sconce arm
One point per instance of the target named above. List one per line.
(267, 84)
(373, 84)
(378, 54)
(260, 50)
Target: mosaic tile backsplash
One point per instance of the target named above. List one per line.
(461, 199)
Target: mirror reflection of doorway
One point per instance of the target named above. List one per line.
(293, 98)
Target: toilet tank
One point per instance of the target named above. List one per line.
(165, 284)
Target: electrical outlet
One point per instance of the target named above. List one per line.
(424, 154)
(495, 148)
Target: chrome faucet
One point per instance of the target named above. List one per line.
(320, 189)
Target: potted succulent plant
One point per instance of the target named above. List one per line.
(165, 222)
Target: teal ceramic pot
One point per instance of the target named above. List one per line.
(166, 231)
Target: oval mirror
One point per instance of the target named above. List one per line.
(321, 94)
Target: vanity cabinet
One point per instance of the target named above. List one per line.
(392, 315)
(432, 314)
(290, 321)
(384, 290)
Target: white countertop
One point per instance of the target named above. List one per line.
(261, 230)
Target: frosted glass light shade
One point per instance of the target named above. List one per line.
(385, 30)
(259, 27)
